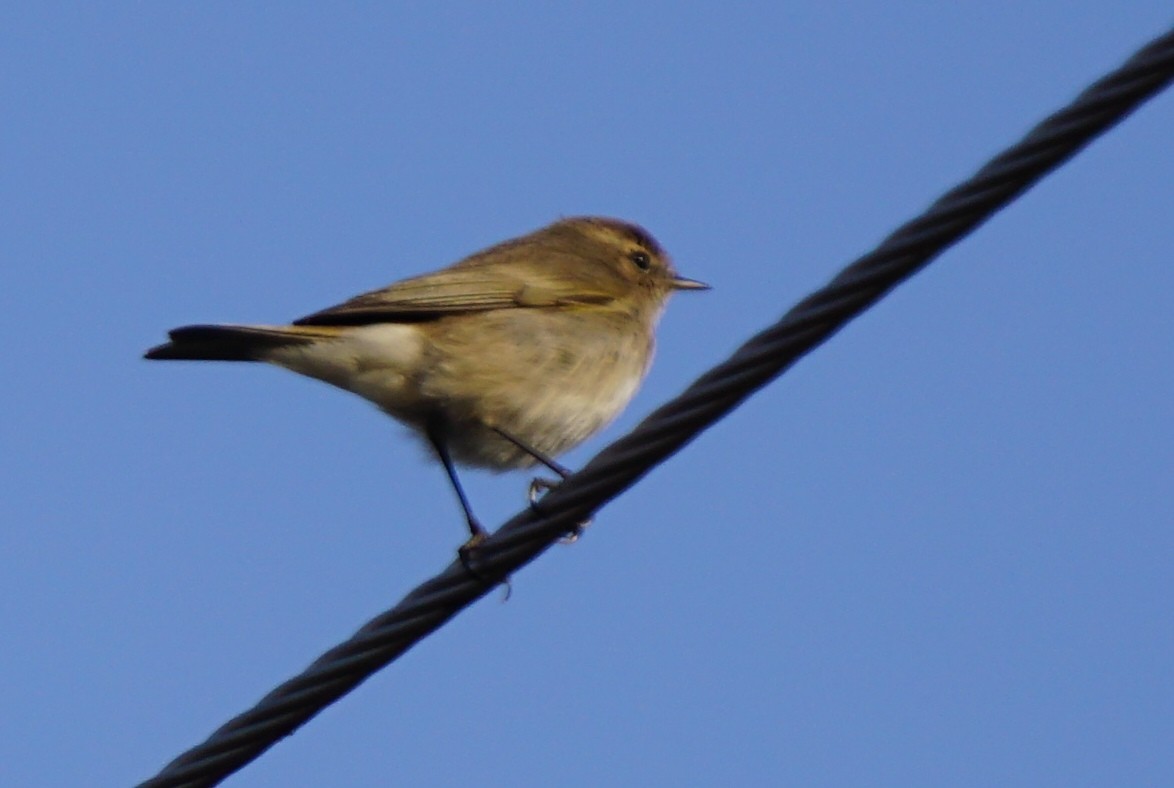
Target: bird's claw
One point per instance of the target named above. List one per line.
(540, 486)
(466, 554)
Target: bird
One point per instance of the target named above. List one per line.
(502, 360)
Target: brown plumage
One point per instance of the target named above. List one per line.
(509, 357)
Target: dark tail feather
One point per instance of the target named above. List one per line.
(226, 343)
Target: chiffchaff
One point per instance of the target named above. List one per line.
(506, 358)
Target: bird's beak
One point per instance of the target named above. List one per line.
(681, 283)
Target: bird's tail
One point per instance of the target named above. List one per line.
(235, 343)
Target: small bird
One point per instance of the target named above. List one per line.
(505, 359)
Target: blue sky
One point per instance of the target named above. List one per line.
(936, 552)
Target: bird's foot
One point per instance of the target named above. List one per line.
(467, 554)
(539, 487)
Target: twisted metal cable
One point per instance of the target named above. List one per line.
(668, 429)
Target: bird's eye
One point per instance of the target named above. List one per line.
(641, 259)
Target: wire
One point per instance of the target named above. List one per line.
(619, 466)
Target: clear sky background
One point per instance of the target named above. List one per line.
(937, 552)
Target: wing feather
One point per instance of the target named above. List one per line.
(465, 288)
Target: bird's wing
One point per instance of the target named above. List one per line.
(459, 290)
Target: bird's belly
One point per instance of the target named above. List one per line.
(554, 415)
(550, 394)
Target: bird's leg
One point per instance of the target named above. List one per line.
(435, 431)
(561, 470)
(435, 434)
(538, 485)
